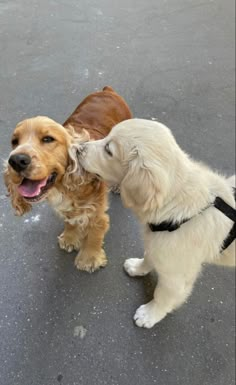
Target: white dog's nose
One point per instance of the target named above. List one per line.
(81, 149)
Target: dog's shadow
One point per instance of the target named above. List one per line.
(148, 284)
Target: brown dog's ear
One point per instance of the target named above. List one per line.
(74, 174)
(144, 186)
(108, 88)
(18, 203)
(76, 142)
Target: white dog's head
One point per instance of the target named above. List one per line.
(141, 156)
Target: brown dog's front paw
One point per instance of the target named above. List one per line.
(90, 261)
(67, 242)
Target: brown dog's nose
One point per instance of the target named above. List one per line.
(19, 162)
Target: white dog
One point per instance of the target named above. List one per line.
(185, 208)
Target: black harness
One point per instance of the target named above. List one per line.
(219, 204)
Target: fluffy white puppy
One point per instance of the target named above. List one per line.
(165, 189)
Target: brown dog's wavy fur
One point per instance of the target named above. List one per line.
(81, 202)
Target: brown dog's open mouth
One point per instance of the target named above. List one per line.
(34, 190)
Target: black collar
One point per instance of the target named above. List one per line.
(218, 203)
(167, 225)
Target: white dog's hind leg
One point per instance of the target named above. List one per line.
(168, 295)
(227, 258)
(137, 267)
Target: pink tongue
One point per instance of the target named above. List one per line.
(31, 188)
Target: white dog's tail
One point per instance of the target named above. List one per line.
(227, 258)
(232, 181)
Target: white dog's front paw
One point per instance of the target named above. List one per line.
(136, 267)
(147, 316)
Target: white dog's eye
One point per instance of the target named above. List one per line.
(107, 149)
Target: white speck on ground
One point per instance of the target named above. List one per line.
(86, 73)
(35, 218)
(80, 331)
(98, 12)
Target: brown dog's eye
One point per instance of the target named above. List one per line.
(107, 149)
(48, 139)
(15, 142)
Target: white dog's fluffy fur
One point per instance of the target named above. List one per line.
(160, 182)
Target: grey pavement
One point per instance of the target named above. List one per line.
(174, 61)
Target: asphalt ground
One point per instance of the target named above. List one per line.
(172, 61)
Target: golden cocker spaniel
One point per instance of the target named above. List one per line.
(39, 167)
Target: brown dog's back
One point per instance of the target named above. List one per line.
(99, 112)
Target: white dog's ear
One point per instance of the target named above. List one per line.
(144, 186)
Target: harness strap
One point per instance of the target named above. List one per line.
(229, 211)
(167, 226)
(219, 204)
(231, 237)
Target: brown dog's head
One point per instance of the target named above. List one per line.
(38, 161)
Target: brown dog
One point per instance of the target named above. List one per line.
(39, 167)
